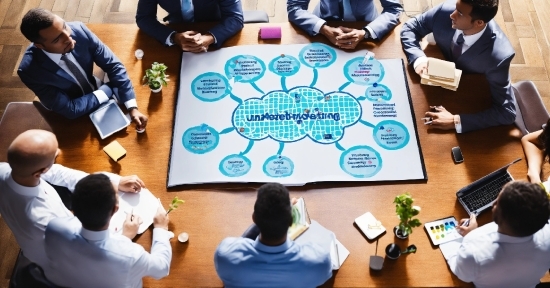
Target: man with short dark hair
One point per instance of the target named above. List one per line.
(83, 253)
(58, 67)
(512, 251)
(466, 33)
(272, 260)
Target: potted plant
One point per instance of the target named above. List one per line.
(405, 211)
(156, 77)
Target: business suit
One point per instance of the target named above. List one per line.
(229, 12)
(490, 55)
(60, 92)
(330, 10)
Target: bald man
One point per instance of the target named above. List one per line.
(27, 201)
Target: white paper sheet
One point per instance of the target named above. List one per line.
(144, 204)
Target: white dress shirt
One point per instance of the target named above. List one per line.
(99, 94)
(27, 210)
(491, 259)
(84, 258)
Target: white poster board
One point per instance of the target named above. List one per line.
(292, 114)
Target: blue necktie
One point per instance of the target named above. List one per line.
(457, 47)
(187, 10)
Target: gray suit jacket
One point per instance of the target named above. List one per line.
(228, 12)
(330, 11)
(490, 55)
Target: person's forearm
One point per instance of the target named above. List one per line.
(533, 155)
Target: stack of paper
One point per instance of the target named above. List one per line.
(441, 73)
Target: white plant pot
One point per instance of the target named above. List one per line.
(156, 90)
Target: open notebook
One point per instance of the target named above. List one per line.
(144, 204)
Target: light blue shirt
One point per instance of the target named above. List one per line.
(242, 262)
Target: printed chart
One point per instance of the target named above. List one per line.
(292, 114)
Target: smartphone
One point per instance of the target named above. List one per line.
(457, 155)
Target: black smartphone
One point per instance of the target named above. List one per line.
(457, 155)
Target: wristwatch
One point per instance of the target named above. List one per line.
(367, 33)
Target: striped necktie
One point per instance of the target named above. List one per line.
(80, 78)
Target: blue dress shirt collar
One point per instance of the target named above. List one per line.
(272, 249)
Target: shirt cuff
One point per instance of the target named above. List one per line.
(458, 126)
(103, 94)
(130, 103)
(420, 60)
(115, 178)
(372, 34)
(168, 42)
(318, 26)
(162, 235)
(213, 36)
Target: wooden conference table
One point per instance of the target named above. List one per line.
(213, 212)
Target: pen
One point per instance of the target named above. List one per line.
(467, 222)
(132, 215)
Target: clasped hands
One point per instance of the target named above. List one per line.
(343, 37)
(193, 41)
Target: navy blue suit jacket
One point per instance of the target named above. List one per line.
(330, 11)
(490, 55)
(229, 12)
(57, 90)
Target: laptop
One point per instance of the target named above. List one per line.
(481, 194)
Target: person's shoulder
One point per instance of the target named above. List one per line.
(311, 253)
(29, 57)
(502, 48)
(231, 244)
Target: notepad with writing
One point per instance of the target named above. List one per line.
(144, 204)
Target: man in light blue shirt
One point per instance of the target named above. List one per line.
(272, 260)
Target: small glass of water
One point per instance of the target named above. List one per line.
(139, 54)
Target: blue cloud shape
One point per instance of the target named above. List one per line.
(300, 112)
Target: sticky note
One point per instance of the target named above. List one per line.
(115, 150)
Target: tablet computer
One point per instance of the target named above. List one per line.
(108, 119)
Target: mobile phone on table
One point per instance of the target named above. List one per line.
(457, 155)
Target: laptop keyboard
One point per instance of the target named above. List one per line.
(486, 194)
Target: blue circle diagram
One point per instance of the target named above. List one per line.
(284, 65)
(278, 166)
(378, 93)
(244, 68)
(210, 87)
(317, 55)
(372, 71)
(361, 161)
(235, 165)
(200, 139)
(391, 135)
(293, 115)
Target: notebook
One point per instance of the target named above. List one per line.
(481, 194)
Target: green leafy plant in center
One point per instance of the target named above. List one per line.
(156, 76)
(406, 211)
